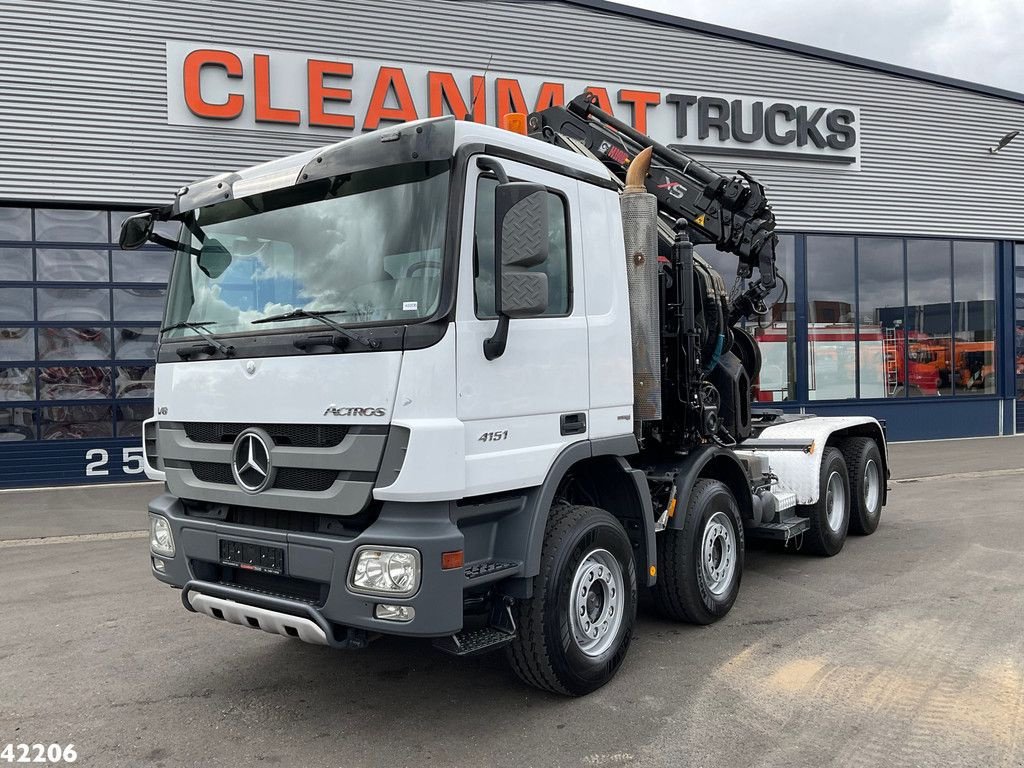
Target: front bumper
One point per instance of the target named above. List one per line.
(321, 562)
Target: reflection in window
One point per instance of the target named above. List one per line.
(17, 424)
(67, 225)
(16, 304)
(15, 223)
(75, 422)
(135, 343)
(72, 264)
(880, 316)
(139, 303)
(929, 336)
(556, 267)
(831, 328)
(17, 345)
(135, 380)
(74, 344)
(73, 304)
(85, 382)
(15, 263)
(974, 310)
(17, 384)
(144, 266)
(130, 418)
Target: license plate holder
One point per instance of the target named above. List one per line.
(262, 558)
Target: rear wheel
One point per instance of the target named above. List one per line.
(864, 462)
(830, 516)
(573, 634)
(700, 565)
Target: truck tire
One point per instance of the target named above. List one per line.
(864, 463)
(700, 565)
(573, 634)
(830, 516)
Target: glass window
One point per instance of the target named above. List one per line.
(831, 328)
(72, 264)
(17, 423)
(974, 312)
(130, 417)
(85, 382)
(135, 380)
(74, 343)
(557, 266)
(135, 343)
(139, 303)
(66, 422)
(17, 384)
(15, 263)
(15, 223)
(145, 266)
(929, 331)
(67, 225)
(73, 304)
(880, 316)
(17, 344)
(16, 304)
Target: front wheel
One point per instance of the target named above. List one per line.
(573, 634)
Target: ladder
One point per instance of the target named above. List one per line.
(890, 350)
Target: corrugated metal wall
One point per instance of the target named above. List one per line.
(83, 105)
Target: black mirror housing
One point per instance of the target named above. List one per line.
(135, 231)
(214, 258)
(520, 242)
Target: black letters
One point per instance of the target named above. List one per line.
(756, 124)
(683, 103)
(840, 122)
(771, 128)
(807, 128)
(705, 121)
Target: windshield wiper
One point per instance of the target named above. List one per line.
(200, 328)
(304, 314)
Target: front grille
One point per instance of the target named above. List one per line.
(288, 478)
(296, 435)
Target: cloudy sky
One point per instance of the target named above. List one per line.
(976, 40)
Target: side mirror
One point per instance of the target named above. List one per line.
(214, 258)
(135, 231)
(520, 242)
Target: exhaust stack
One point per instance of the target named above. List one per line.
(640, 230)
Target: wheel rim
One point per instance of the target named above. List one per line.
(596, 606)
(835, 501)
(718, 553)
(872, 486)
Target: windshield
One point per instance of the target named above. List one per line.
(365, 247)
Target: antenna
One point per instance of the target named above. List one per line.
(476, 91)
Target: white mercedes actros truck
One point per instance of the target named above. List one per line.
(472, 384)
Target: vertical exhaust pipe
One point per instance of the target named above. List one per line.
(639, 211)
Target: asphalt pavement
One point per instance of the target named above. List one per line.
(907, 649)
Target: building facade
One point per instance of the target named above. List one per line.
(902, 245)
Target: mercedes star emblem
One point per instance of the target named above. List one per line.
(250, 461)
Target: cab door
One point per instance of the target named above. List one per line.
(521, 409)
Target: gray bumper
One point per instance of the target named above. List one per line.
(325, 560)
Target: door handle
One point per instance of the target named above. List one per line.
(574, 423)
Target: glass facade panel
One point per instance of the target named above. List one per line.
(15, 223)
(16, 304)
(880, 316)
(831, 326)
(135, 380)
(72, 264)
(17, 345)
(74, 344)
(17, 384)
(17, 424)
(929, 318)
(75, 422)
(136, 304)
(974, 316)
(136, 343)
(73, 304)
(15, 263)
(66, 225)
(145, 266)
(130, 418)
(73, 382)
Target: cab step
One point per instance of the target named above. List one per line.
(782, 531)
(475, 641)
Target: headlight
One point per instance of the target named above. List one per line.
(160, 539)
(385, 571)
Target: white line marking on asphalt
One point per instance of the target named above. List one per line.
(93, 487)
(8, 543)
(963, 475)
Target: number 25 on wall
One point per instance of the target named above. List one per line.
(97, 459)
